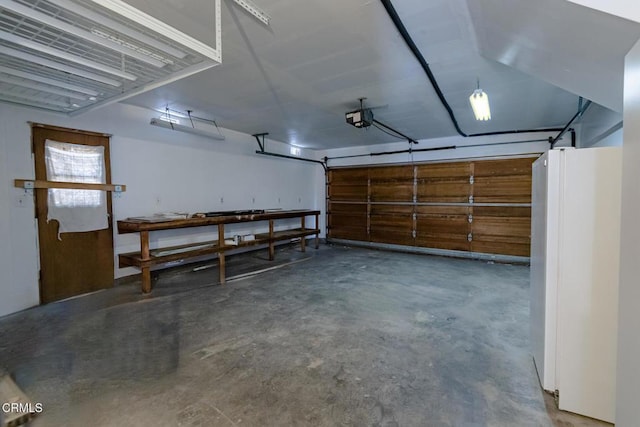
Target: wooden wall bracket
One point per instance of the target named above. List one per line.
(30, 184)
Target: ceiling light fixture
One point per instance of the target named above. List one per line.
(163, 123)
(480, 104)
(51, 82)
(86, 35)
(58, 66)
(20, 41)
(118, 27)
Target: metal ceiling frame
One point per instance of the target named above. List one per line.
(59, 51)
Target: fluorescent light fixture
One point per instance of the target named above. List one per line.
(130, 12)
(117, 27)
(187, 129)
(480, 104)
(68, 28)
(253, 10)
(58, 66)
(169, 119)
(64, 55)
(41, 87)
(46, 80)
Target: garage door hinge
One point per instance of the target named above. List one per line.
(470, 218)
(413, 233)
(470, 237)
(470, 199)
(471, 179)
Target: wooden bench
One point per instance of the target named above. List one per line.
(147, 257)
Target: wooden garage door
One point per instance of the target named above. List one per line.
(478, 206)
(348, 211)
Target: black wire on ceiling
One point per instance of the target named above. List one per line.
(395, 18)
(416, 52)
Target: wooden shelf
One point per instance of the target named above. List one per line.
(289, 234)
(136, 225)
(135, 259)
(29, 184)
(147, 257)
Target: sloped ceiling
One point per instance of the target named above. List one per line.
(567, 45)
(622, 8)
(298, 77)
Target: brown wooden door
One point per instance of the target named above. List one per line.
(80, 262)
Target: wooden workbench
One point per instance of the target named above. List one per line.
(147, 257)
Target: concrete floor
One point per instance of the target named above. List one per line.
(348, 337)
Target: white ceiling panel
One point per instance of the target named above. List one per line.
(297, 77)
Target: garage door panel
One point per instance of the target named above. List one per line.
(391, 174)
(387, 206)
(351, 193)
(386, 192)
(451, 191)
(350, 233)
(442, 225)
(348, 221)
(503, 248)
(399, 222)
(502, 189)
(502, 211)
(349, 176)
(443, 171)
(444, 182)
(503, 167)
(395, 228)
(505, 226)
(402, 210)
(392, 237)
(448, 242)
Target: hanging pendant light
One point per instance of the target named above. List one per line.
(480, 104)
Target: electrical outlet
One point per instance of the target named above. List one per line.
(221, 200)
(253, 200)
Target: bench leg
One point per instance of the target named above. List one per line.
(146, 280)
(272, 249)
(221, 272)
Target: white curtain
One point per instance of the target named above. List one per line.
(76, 210)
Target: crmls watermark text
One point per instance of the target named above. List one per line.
(31, 408)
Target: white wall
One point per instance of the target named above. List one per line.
(600, 127)
(613, 139)
(628, 410)
(165, 171)
(501, 146)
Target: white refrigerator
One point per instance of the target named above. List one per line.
(575, 251)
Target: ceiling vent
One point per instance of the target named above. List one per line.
(72, 56)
